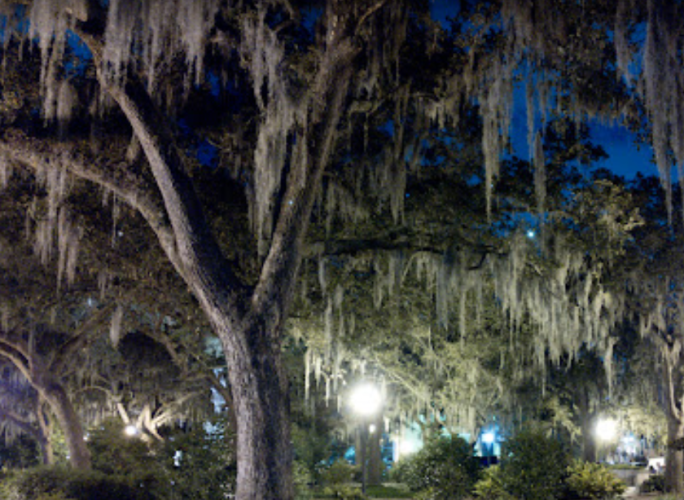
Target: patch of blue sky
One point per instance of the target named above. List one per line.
(388, 127)
(310, 17)
(625, 157)
(76, 65)
(442, 10)
(207, 154)
(214, 83)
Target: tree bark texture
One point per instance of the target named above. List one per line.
(70, 423)
(674, 458)
(260, 396)
(587, 425)
(375, 463)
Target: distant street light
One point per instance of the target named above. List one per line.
(606, 429)
(131, 430)
(366, 401)
(488, 439)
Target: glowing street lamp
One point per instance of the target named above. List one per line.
(366, 401)
(606, 429)
(488, 438)
(131, 430)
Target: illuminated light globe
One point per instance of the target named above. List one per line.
(131, 430)
(606, 429)
(366, 400)
(530, 234)
(407, 446)
(488, 437)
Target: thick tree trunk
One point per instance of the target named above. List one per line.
(79, 455)
(259, 389)
(47, 455)
(45, 435)
(587, 425)
(375, 464)
(674, 458)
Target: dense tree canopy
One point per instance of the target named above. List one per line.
(361, 143)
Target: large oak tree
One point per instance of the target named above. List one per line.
(284, 94)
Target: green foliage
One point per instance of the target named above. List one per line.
(491, 486)
(196, 462)
(343, 492)
(52, 496)
(592, 481)
(336, 479)
(387, 491)
(428, 494)
(446, 466)
(655, 483)
(302, 479)
(200, 462)
(115, 453)
(22, 452)
(533, 465)
(311, 440)
(340, 472)
(41, 483)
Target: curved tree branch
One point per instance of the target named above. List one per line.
(117, 176)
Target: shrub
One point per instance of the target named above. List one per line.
(343, 492)
(533, 465)
(198, 461)
(302, 479)
(340, 472)
(115, 454)
(591, 481)
(491, 486)
(655, 483)
(445, 466)
(52, 496)
(336, 479)
(41, 483)
(388, 491)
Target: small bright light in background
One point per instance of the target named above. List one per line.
(606, 429)
(365, 400)
(371, 428)
(488, 437)
(530, 233)
(629, 443)
(131, 430)
(407, 446)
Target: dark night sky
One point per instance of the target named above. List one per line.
(624, 157)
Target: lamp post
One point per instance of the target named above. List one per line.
(366, 401)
